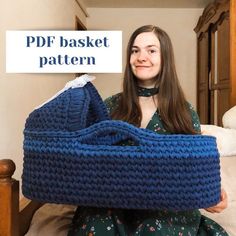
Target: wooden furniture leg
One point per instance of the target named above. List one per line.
(9, 199)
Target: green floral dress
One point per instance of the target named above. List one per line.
(89, 221)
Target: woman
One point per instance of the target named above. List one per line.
(152, 98)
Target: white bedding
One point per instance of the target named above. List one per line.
(227, 218)
(225, 137)
(52, 219)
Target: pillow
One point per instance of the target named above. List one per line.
(229, 118)
(225, 138)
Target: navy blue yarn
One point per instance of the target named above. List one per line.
(72, 110)
(72, 155)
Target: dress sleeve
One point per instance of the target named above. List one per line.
(195, 119)
(112, 102)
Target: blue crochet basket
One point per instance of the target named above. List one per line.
(73, 154)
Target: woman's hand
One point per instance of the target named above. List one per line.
(221, 205)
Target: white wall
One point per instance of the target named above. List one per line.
(20, 93)
(178, 23)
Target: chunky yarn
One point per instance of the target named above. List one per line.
(74, 154)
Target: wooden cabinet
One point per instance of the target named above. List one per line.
(215, 79)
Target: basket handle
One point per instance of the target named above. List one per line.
(109, 133)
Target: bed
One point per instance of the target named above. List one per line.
(25, 217)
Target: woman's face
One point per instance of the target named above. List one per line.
(145, 58)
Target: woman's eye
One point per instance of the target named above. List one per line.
(151, 51)
(133, 51)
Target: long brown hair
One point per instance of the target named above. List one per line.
(172, 105)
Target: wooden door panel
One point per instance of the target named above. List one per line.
(223, 48)
(220, 69)
(202, 84)
(203, 110)
(223, 103)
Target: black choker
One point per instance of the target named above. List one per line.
(147, 92)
